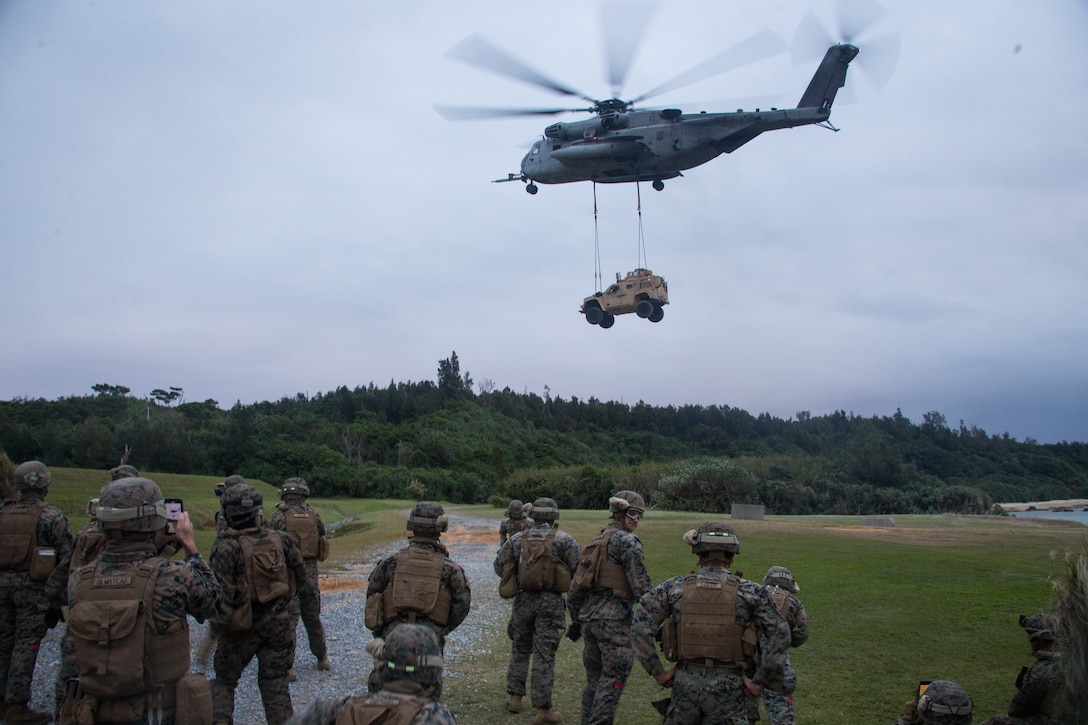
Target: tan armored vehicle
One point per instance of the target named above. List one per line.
(641, 292)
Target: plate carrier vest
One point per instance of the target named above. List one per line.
(19, 533)
(708, 633)
(301, 523)
(418, 589)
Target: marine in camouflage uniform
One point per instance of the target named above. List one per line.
(943, 703)
(307, 603)
(1040, 689)
(604, 617)
(89, 543)
(270, 638)
(131, 513)
(515, 521)
(779, 701)
(426, 522)
(539, 616)
(221, 520)
(712, 689)
(411, 664)
(28, 609)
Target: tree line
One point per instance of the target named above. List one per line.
(452, 440)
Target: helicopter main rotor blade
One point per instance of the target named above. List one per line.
(758, 47)
(477, 113)
(477, 51)
(623, 25)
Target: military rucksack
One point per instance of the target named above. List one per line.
(117, 649)
(536, 569)
(265, 579)
(381, 708)
(596, 573)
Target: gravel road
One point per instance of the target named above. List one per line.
(472, 543)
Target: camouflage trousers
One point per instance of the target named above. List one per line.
(307, 605)
(711, 697)
(535, 629)
(779, 708)
(22, 627)
(272, 642)
(607, 657)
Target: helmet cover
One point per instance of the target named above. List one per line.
(241, 501)
(624, 500)
(123, 471)
(295, 486)
(712, 536)
(780, 576)
(427, 517)
(944, 703)
(131, 504)
(412, 652)
(31, 475)
(545, 509)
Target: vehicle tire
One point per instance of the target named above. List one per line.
(658, 184)
(594, 314)
(659, 313)
(531, 188)
(644, 308)
(608, 320)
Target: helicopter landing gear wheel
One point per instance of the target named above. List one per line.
(531, 188)
(594, 315)
(658, 314)
(644, 308)
(607, 320)
(658, 185)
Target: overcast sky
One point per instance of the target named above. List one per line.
(250, 200)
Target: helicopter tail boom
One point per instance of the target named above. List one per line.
(829, 78)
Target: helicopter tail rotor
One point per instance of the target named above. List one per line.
(854, 23)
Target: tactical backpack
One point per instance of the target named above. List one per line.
(19, 549)
(596, 573)
(122, 660)
(536, 570)
(417, 591)
(384, 708)
(265, 579)
(301, 524)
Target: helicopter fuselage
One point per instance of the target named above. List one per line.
(649, 145)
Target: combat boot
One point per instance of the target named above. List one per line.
(323, 663)
(513, 703)
(18, 712)
(545, 715)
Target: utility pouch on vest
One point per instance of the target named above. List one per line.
(241, 617)
(194, 701)
(508, 584)
(109, 639)
(749, 642)
(43, 560)
(668, 640)
(128, 709)
(323, 549)
(374, 612)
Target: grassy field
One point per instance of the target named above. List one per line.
(936, 597)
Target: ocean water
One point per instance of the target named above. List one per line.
(1076, 515)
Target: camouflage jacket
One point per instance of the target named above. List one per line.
(505, 528)
(624, 548)
(278, 519)
(564, 549)
(794, 614)
(1039, 691)
(182, 588)
(228, 563)
(53, 531)
(453, 577)
(325, 712)
(754, 606)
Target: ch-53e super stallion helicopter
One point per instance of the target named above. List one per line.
(622, 143)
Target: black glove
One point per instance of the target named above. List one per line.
(574, 631)
(53, 616)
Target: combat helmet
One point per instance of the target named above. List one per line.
(712, 536)
(624, 501)
(131, 504)
(1043, 627)
(516, 509)
(31, 476)
(233, 479)
(240, 502)
(780, 576)
(294, 486)
(123, 471)
(428, 518)
(944, 703)
(545, 509)
(411, 652)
